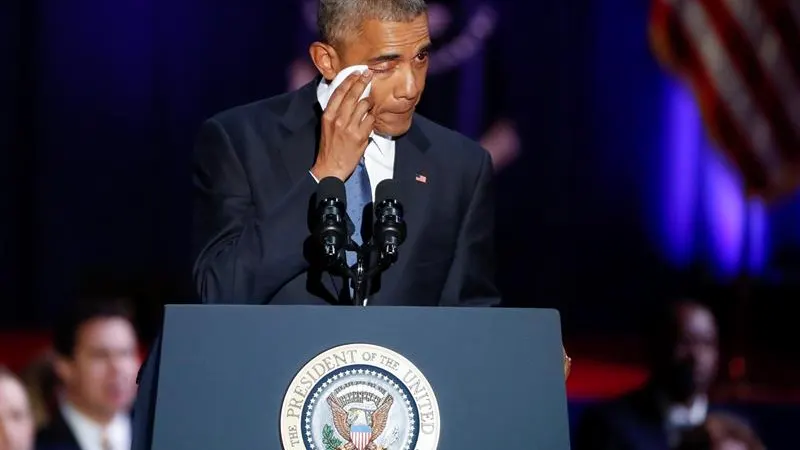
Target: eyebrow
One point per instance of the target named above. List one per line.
(388, 57)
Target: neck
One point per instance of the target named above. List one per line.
(100, 417)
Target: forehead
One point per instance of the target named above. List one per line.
(11, 393)
(386, 36)
(696, 321)
(105, 332)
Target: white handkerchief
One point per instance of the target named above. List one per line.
(337, 80)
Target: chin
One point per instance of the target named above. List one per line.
(393, 129)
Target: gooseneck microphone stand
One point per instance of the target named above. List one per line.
(360, 276)
(361, 272)
(389, 233)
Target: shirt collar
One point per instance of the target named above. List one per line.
(681, 415)
(87, 430)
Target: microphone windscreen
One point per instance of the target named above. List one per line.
(331, 187)
(386, 190)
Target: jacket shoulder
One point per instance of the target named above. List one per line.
(264, 111)
(451, 142)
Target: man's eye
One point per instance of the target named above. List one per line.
(422, 56)
(382, 68)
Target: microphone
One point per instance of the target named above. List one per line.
(332, 214)
(389, 229)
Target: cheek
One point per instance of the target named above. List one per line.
(22, 431)
(380, 93)
(131, 368)
(93, 374)
(709, 358)
(421, 75)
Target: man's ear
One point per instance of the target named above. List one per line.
(63, 369)
(325, 59)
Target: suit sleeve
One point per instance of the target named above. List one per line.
(471, 281)
(244, 256)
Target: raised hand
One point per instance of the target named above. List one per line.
(346, 125)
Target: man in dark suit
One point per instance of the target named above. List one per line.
(96, 363)
(257, 166)
(674, 402)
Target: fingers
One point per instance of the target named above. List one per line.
(367, 124)
(361, 109)
(355, 81)
(353, 95)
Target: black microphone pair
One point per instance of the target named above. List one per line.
(389, 230)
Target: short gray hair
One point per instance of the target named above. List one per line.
(336, 18)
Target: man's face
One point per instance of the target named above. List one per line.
(397, 53)
(101, 375)
(696, 345)
(16, 418)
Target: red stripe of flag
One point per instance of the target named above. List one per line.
(674, 49)
(741, 53)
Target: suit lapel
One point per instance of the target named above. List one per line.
(411, 173)
(298, 149)
(300, 133)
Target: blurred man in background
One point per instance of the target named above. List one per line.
(674, 402)
(16, 418)
(96, 364)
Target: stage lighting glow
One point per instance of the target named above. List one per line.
(706, 217)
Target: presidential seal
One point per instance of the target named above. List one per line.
(360, 397)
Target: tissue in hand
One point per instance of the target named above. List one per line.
(338, 79)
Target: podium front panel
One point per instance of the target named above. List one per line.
(225, 371)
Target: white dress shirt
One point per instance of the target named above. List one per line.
(687, 416)
(379, 155)
(681, 417)
(89, 433)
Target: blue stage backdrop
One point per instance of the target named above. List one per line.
(607, 188)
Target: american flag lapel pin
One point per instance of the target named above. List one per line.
(421, 178)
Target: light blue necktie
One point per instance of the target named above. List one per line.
(359, 195)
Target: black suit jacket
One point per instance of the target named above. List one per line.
(632, 422)
(57, 435)
(253, 196)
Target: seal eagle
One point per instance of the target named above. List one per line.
(358, 427)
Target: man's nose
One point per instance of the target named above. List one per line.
(409, 86)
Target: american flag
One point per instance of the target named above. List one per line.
(741, 59)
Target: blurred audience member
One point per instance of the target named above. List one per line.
(727, 432)
(96, 364)
(674, 401)
(40, 381)
(16, 418)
